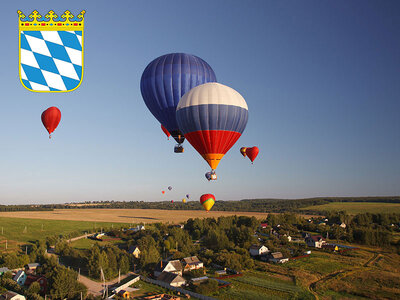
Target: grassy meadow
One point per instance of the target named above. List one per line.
(357, 207)
(29, 230)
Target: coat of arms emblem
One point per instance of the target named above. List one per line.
(51, 51)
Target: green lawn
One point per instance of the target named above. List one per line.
(84, 244)
(357, 207)
(28, 230)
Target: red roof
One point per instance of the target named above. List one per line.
(316, 238)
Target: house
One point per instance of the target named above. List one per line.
(137, 228)
(171, 279)
(98, 236)
(256, 250)
(20, 277)
(191, 263)
(172, 266)
(9, 295)
(31, 267)
(36, 278)
(315, 241)
(263, 225)
(134, 250)
(277, 257)
(3, 270)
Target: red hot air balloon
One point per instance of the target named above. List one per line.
(51, 118)
(252, 153)
(165, 131)
(163, 192)
(207, 200)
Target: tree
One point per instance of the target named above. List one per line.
(34, 288)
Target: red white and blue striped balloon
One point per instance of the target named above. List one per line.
(212, 117)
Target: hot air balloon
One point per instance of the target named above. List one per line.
(252, 153)
(163, 192)
(187, 196)
(170, 188)
(243, 151)
(212, 116)
(51, 118)
(211, 176)
(165, 131)
(165, 80)
(184, 200)
(172, 201)
(207, 200)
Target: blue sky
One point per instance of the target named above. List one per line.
(321, 79)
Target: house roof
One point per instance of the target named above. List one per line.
(169, 277)
(4, 269)
(191, 260)
(32, 278)
(32, 265)
(256, 247)
(317, 238)
(277, 255)
(133, 248)
(175, 263)
(9, 295)
(18, 275)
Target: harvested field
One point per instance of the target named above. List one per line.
(125, 215)
(357, 207)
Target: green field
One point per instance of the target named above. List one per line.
(83, 244)
(29, 230)
(258, 285)
(357, 207)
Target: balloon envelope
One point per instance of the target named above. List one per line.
(187, 196)
(184, 200)
(163, 192)
(165, 131)
(207, 200)
(243, 151)
(252, 153)
(166, 79)
(170, 187)
(51, 118)
(212, 116)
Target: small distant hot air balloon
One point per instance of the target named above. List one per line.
(172, 201)
(243, 151)
(187, 196)
(170, 187)
(51, 118)
(207, 200)
(165, 131)
(252, 153)
(163, 192)
(184, 200)
(212, 117)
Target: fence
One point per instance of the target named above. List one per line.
(177, 289)
(126, 284)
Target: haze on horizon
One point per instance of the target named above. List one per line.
(320, 79)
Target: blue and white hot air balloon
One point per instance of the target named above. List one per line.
(212, 116)
(166, 79)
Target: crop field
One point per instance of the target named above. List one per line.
(357, 207)
(258, 285)
(125, 215)
(28, 230)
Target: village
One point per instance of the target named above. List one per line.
(219, 251)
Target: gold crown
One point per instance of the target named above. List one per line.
(52, 22)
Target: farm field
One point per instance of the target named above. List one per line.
(357, 207)
(125, 215)
(258, 285)
(28, 230)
